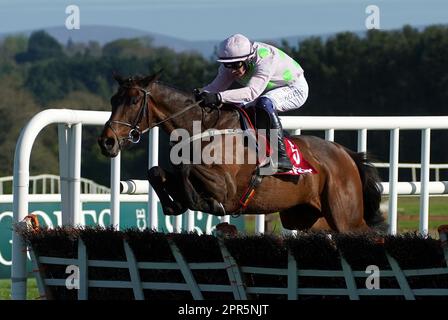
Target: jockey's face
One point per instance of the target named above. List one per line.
(239, 73)
(238, 68)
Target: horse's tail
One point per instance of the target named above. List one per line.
(371, 191)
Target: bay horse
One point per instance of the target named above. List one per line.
(343, 196)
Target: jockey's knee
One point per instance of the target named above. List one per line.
(266, 104)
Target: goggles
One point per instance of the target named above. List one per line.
(233, 65)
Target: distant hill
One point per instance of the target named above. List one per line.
(105, 34)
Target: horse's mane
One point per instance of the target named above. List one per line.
(176, 89)
(174, 92)
(134, 80)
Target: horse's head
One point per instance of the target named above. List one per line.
(130, 116)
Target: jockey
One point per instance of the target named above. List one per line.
(269, 79)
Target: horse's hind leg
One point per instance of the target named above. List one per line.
(164, 184)
(342, 200)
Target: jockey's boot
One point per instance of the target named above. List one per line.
(283, 164)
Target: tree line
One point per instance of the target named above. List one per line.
(399, 73)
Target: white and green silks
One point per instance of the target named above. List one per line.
(269, 69)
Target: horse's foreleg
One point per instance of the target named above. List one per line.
(164, 184)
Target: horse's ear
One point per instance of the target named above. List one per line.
(118, 78)
(146, 81)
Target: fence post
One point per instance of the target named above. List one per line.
(329, 134)
(424, 179)
(362, 140)
(115, 191)
(177, 227)
(74, 182)
(259, 223)
(153, 160)
(190, 220)
(63, 134)
(393, 179)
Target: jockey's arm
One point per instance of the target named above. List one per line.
(221, 82)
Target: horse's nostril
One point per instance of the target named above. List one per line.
(109, 143)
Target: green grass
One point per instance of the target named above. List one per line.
(411, 205)
(409, 208)
(5, 289)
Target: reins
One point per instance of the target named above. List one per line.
(190, 106)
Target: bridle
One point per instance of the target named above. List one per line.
(135, 132)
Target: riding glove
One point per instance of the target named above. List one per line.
(211, 100)
(197, 94)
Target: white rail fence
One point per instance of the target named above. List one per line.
(414, 167)
(70, 124)
(51, 184)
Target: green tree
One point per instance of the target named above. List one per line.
(12, 45)
(41, 46)
(128, 48)
(17, 107)
(9, 48)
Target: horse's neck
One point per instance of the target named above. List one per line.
(170, 101)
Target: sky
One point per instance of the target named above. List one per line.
(217, 19)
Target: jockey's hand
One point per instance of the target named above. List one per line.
(197, 94)
(211, 100)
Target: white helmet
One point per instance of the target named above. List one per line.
(235, 48)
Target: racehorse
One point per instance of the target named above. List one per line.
(343, 196)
